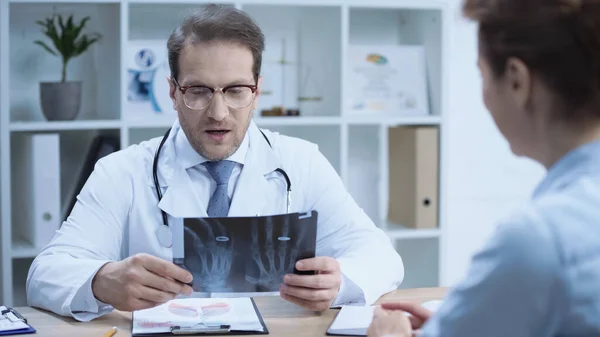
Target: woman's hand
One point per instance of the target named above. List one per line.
(418, 314)
(389, 323)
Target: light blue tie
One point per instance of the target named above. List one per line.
(218, 206)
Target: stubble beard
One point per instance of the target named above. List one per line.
(194, 136)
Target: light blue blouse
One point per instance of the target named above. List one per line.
(539, 275)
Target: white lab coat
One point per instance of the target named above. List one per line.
(116, 216)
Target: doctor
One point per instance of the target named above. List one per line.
(115, 249)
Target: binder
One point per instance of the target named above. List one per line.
(203, 329)
(36, 200)
(13, 323)
(413, 176)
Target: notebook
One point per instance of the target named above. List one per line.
(200, 316)
(12, 323)
(355, 320)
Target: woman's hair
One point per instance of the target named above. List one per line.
(559, 40)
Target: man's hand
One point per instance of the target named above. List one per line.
(139, 282)
(389, 323)
(418, 314)
(314, 292)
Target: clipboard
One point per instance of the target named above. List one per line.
(20, 322)
(207, 330)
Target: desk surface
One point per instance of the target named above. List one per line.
(282, 318)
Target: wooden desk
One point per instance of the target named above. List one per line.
(282, 318)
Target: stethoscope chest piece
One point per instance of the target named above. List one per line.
(165, 236)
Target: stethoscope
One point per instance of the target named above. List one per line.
(164, 234)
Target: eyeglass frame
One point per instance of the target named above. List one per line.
(184, 89)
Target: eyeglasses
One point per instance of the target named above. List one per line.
(197, 97)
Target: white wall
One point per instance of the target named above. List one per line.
(485, 180)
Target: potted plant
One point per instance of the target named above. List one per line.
(62, 100)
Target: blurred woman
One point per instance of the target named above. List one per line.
(540, 273)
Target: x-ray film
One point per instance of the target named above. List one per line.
(246, 254)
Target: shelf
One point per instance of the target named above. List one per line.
(401, 4)
(65, 125)
(177, 2)
(66, 1)
(393, 120)
(399, 232)
(297, 120)
(157, 122)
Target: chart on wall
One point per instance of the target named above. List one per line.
(147, 84)
(246, 254)
(388, 80)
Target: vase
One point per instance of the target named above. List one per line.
(60, 101)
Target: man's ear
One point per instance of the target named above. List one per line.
(172, 89)
(257, 93)
(259, 86)
(519, 79)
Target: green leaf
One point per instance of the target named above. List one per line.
(60, 23)
(45, 46)
(81, 25)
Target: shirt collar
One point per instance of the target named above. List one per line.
(580, 160)
(188, 157)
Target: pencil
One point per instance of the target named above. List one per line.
(111, 332)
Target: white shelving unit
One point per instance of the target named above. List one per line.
(356, 146)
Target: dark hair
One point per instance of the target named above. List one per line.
(217, 23)
(559, 40)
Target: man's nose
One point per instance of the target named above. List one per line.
(217, 109)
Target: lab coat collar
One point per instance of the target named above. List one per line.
(578, 161)
(252, 190)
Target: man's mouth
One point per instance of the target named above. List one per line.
(217, 132)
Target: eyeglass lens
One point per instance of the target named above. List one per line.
(200, 97)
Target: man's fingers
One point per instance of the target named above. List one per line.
(166, 284)
(140, 304)
(323, 264)
(154, 295)
(316, 306)
(313, 295)
(164, 268)
(319, 281)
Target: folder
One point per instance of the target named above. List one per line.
(200, 317)
(12, 323)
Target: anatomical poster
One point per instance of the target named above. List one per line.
(246, 254)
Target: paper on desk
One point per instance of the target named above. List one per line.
(356, 319)
(353, 317)
(237, 312)
(10, 322)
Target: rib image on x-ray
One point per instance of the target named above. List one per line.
(246, 254)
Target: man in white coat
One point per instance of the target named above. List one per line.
(113, 251)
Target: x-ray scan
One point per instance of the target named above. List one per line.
(246, 254)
